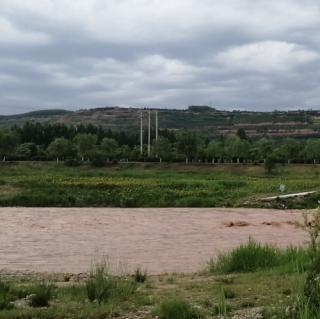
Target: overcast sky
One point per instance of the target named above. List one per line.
(233, 54)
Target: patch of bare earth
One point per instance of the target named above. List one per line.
(160, 240)
(6, 190)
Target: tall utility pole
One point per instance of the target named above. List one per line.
(149, 133)
(157, 127)
(141, 133)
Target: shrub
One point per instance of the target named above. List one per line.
(5, 296)
(99, 285)
(312, 284)
(247, 258)
(140, 275)
(222, 308)
(123, 288)
(5, 300)
(254, 256)
(177, 308)
(297, 258)
(41, 295)
(270, 163)
(4, 287)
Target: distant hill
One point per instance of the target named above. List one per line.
(204, 119)
(35, 114)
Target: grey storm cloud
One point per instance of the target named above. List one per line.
(235, 54)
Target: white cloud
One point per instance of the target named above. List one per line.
(143, 21)
(163, 52)
(267, 56)
(109, 73)
(10, 34)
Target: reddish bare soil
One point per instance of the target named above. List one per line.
(161, 240)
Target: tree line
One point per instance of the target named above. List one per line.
(36, 141)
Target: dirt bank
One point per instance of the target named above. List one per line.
(161, 240)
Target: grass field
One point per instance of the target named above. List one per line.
(151, 185)
(265, 291)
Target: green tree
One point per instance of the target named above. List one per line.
(8, 142)
(124, 152)
(270, 163)
(289, 150)
(214, 150)
(236, 148)
(264, 147)
(163, 149)
(61, 148)
(135, 153)
(109, 147)
(27, 150)
(312, 150)
(187, 144)
(86, 145)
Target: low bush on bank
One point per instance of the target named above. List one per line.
(102, 286)
(5, 296)
(140, 275)
(254, 256)
(222, 308)
(41, 295)
(177, 308)
(99, 285)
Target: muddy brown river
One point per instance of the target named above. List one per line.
(158, 239)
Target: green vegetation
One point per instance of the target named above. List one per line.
(60, 142)
(102, 286)
(222, 308)
(254, 256)
(5, 296)
(176, 308)
(76, 165)
(270, 291)
(175, 185)
(41, 295)
(140, 275)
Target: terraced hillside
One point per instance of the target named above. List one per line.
(204, 119)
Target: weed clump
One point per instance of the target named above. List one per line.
(312, 284)
(177, 308)
(140, 275)
(102, 286)
(41, 295)
(246, 258)
(222, 308)
(253, 256)
(99, 285)
(5, 296)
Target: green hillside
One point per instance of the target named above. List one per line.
(201, 118)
